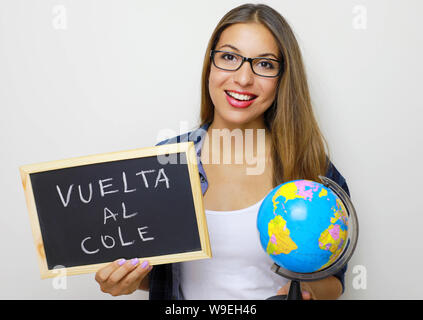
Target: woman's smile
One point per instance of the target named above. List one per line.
(239, 99)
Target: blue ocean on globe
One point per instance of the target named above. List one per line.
(303, 226)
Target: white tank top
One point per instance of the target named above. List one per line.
(239, 268)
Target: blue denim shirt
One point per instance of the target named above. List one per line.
(165, 279)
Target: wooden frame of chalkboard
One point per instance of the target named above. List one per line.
(46, 229)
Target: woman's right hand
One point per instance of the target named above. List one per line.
(122, 277)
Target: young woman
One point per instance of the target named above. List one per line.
(253, 81)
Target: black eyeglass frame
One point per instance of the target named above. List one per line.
(250, 60)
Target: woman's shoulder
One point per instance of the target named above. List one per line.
(176, 139)
(333, 174)
(194, 135)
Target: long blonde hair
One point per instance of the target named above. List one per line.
(298, 146)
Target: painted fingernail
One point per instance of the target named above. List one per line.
(144, 264)
(134, 261)
(121, 261)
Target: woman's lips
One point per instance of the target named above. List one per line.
(238, 103)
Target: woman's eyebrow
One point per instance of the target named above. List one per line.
(237, 50)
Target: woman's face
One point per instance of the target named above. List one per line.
(249, 40)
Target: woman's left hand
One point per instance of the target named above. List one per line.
(306, 291)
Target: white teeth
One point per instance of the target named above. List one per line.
(238, 96)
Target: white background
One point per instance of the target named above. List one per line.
(93, 87)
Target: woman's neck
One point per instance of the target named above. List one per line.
(220, 124)
(232, 144)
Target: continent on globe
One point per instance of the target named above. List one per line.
(294, 190)
(306, 189)
(334, 237)
(280, 241)
(340, 213)
(288, 191)
(323, 193)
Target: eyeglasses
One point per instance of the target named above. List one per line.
(229, 61)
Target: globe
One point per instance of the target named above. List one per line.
(304, 226)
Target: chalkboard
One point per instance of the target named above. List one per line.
(86, 212)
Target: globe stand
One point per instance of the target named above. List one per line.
(293, 294)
